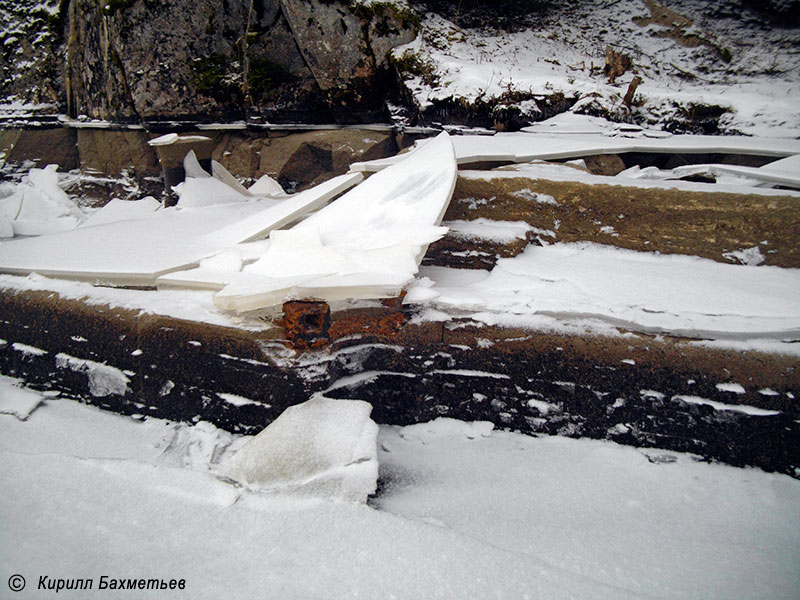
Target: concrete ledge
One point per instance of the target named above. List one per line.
(630, 389)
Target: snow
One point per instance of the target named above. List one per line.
(501, 232)
(444, 427)
(134, 252)
(322, 447)
(463, 511)
(17, 401)
(197, 192)
(266, 186)
(37, 205)
(285, 212)
(532, 145)
(562, 52)
(366, 244)
(191, 165)
(746, 256)
(537, 197)
(469, 373)
(164, 140)
(28, 350)
(742, 408)
(589, 508)
(734, 388)
(104, 380)
(524, 146)
(633, 178)
(674, 294)
(236, 400)
(570, 136)
(140, 241)
(121, 210)
(191, 305)
(789, 177)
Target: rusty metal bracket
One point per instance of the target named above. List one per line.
(307, 323)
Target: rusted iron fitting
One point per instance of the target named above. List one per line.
(307, 323)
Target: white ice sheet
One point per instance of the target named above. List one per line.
(465, 512)
(285, 212)
(131, 252)
(680, 295)
(366, 244)
(545, 143)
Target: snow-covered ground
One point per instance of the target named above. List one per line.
(462, 512)
(714, 54)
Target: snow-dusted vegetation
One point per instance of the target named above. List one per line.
(702, 67)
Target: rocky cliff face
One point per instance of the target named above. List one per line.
(217, 59)
(487, 63)
(310, 60)
(30, 68)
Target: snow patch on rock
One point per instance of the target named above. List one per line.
(104, 380)
(746, 256)
(445, 427)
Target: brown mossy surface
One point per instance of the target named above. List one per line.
(669, 221)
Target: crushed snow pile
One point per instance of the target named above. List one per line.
(37, 205)
(322, 447)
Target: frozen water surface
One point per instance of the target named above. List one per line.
(463, 511)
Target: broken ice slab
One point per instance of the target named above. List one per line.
(37, 206)
(294, 207)
(136, 252)
(172, 149)
(651, 293)
(322, 447)
(132, 252)
(198, 278)
(225, 176)
(366, 244)
(527, 146)
(784, 172)
(17, 401)
(247, 292)
(592, 138)
(122, 210)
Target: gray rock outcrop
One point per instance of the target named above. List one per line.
(30, 68)
(347, 45)
(133, 60)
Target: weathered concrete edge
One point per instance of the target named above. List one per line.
(532, 382)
